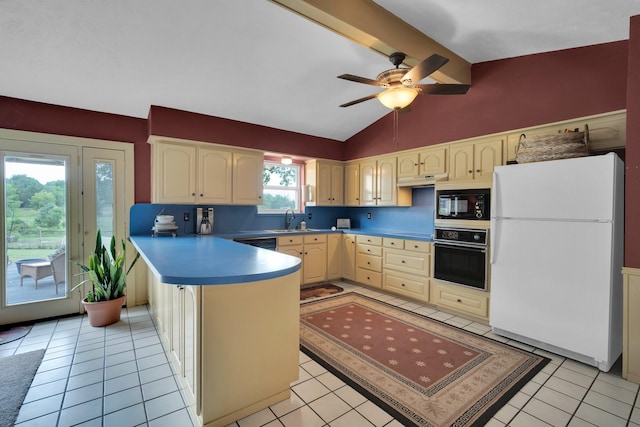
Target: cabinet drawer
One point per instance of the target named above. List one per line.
(315, 238)
(389, 242)
(290, 240)
(371, 250)
(406, 284)
(410, 262)
(467, 302)
(369, 240)
(368, 277)
(417, 246)
(369, 262)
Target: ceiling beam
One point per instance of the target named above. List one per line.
(372, 26)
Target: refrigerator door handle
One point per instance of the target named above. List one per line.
(494, 223)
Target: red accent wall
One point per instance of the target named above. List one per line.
(183, 124)
(508, 94)
(19, 114)
(632, 152)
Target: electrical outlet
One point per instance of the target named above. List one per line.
(186, 216)
(309, 216)
(368, 215)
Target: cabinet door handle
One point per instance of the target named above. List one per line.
(459, 300)
(403, 261)
(402, 284)
(471, 171)
(201, 194)
(392, 243)
(193, 194)
(478, 170)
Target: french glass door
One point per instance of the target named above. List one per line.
(40, 190)
(54, 199)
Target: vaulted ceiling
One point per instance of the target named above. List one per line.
(259, 62)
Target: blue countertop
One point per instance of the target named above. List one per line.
(427, 237)
(210, 260)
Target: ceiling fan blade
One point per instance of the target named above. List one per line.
(443, 89)
(364, 80)
(424, 69)
(357, 101)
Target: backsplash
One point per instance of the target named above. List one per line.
(230, 219)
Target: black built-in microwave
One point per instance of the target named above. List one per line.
(463, 204)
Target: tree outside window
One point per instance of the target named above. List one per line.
(281, 188)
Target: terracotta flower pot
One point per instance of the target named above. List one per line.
(103, 313)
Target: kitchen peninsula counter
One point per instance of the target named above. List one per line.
(228, 315)
(208, 260)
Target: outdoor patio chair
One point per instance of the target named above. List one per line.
(58, 268)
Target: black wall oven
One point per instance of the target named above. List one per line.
(461, 256)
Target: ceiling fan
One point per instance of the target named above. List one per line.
(401, 84)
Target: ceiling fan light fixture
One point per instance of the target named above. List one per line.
(397, 98)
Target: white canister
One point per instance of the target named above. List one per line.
(303, 225)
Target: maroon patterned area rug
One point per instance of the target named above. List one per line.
(421, 371)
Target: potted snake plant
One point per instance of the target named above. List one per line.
(108, 278)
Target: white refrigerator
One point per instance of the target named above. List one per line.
(557, 233)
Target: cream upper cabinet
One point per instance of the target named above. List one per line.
(428, 161)
(247, 178)
(434, 160)
(475, 160)
(174, 173)
(191, 174)
(378, 184)
(328, 181)
(205, 173)
(352, 184)
(409, 165)
(214, 176)
(368, 183)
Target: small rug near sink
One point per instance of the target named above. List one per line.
(421, 371)
(322, 290)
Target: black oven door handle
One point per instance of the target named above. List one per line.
(466, 246)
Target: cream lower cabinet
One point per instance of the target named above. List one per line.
(315, 258)
(630, 325)
(294, 246)
(184, 331)
(407, 267)
(334, 256)
(349, 256)
(466, 301)
(312, 250)
(212, 345)
(369, 260)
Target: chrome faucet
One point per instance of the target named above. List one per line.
(287, 220)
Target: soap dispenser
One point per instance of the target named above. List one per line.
(303, 225)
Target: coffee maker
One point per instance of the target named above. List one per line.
(204, 220)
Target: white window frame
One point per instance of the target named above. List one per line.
(298, 189)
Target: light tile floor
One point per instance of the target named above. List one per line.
(120, 376)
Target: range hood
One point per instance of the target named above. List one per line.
(421, 180)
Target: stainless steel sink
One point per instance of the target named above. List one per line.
(291, 231)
